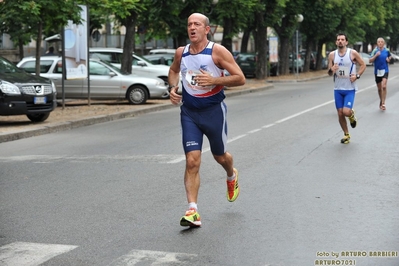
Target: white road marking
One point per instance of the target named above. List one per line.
(30, 254)
(178, 160)
(148, 257)
(160, 158)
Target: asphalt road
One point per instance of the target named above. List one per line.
(112, 193)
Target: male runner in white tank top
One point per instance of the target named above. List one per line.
(342, 65)
(203, 111)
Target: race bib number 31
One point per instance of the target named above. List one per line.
(343, 72)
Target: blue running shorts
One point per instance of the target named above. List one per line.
(210, 122)
(344, 98)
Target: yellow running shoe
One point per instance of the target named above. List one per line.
(346, 138)
(233, 189)
(191, 218)
(352, 119)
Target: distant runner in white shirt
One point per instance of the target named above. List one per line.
(342, 66)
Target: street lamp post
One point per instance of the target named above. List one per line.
(299, 19)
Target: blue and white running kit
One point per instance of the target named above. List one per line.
(203, 111)
(344, 89)
(381, 68)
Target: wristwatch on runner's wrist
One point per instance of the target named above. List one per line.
(170, 87)
(357, 76)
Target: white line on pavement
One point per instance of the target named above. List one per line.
(30, 254)
(178, 160)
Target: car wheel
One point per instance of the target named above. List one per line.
(137, 94)
(38, 117)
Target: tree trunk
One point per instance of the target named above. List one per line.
(21, 48)
(182, 40)
(227, 41)
(38, 47)
(309, 49)
(284, 55)
(245, 40)
(261, 46)
(128, 44)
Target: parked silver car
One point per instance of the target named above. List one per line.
(366, 59)
(106, 81)
(140, 65)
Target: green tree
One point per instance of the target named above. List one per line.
(233, 15)
(126, 12)
(33, 17)
(285, 28)
(12, 23)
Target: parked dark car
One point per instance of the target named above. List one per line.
(24, 94)
(247, 63)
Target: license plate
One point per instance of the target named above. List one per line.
(40, 100)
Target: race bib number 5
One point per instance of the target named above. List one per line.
(190, 78)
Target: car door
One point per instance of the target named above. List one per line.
(52, 68)
(72, 87)
(104, 83)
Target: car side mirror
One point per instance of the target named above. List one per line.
(112, 74)
(141, 63)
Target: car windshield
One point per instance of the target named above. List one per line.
(116, 69)
(8, 67)
(139, 58)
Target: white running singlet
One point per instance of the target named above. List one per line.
(346, 68)
(195, 96)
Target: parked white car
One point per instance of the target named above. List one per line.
(140, 66)
(106, 81)
(162, 51)
(366, 59)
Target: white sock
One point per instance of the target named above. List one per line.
(231, 178)
(192, 205)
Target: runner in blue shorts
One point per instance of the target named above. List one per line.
(210, 122)
(342, 66)
(344, 98)
(203, 111)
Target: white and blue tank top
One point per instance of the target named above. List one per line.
(346, 68)
(195, 96)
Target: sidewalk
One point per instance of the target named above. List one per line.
(78, 113)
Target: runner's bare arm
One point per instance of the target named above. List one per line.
(174, 76)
